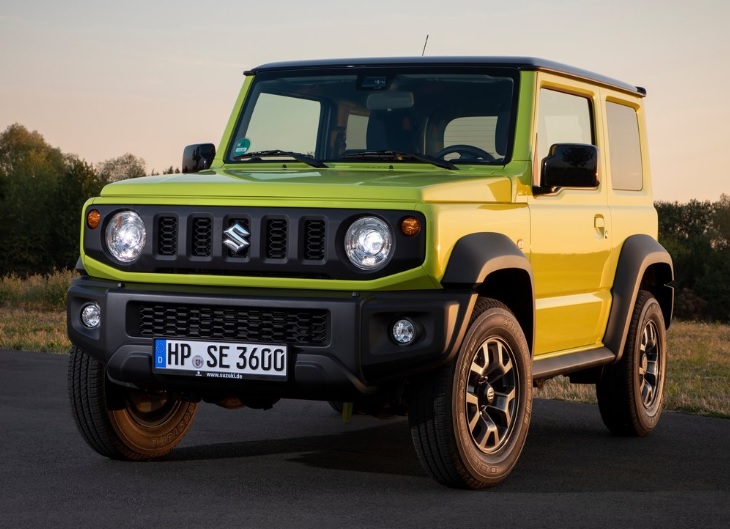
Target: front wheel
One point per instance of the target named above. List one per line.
(469, 419)
(631, 393)
(123, 423)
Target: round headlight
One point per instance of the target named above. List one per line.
(368, 243)
(126, 236)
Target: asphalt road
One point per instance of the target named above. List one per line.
(298, 466)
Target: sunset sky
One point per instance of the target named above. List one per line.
(100, 79)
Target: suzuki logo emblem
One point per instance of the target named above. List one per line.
(236, 238)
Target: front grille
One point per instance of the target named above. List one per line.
(277, 326)
(284, 242)
(275, 237)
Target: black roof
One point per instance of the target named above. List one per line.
(521, 63)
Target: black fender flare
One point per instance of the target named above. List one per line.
(493, 265)
(643, 264)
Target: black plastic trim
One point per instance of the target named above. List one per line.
(357, 357)
(543, 368)
(638, 254)
(477, 255)
(483, 262)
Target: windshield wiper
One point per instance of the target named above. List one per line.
(298, 156)
(399, 155)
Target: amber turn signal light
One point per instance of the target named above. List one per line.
(93, 218)
(410, 226)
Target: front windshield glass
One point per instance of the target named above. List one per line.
(463, 116)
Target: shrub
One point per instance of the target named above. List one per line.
(41, 292)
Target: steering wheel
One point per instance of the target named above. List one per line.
(465, 151)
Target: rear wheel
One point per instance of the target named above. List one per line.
(631, 393)
(123, 423)
(469, 419)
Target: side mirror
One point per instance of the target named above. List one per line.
(568, 165)
(197, 157)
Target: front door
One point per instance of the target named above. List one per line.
(570, 248)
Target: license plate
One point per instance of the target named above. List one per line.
(221, 359)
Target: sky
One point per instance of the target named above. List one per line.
(100, 79)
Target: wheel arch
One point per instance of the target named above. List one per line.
(643, 264)
(493, 266)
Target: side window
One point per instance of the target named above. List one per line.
(563, 118)
(625, 147)
(301, 115)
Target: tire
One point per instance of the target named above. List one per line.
(631, 393)
(469, 419)
(123, 423)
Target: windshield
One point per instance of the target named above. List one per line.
(432, 114)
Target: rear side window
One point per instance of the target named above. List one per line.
(627, 173)
(563, 118)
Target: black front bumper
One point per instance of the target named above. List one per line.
(353, 353)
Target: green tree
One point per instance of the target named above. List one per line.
(76, 184)
(121, 168)
(29, 168)
(42, 191)
(722, 221)
(697, 235)
(712, 284)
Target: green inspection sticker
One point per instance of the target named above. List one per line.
(242, 147)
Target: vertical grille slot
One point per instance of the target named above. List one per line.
(201, 236)
(167, 236)
(276, 238)
(314, 241)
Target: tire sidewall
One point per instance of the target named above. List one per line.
(103, 416)
(647, 417)
(152, 441)
(492, 323)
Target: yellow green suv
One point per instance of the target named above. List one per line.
(431, 236)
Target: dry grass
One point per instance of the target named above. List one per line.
(33, 330)
(39, 292)
(699, 369)
(698, 372)
(32, 312)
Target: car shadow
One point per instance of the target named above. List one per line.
(381, 449)
(568, 450)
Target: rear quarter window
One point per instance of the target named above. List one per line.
(627, 173)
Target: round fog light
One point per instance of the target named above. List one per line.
(404, 332)
(91, 315)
